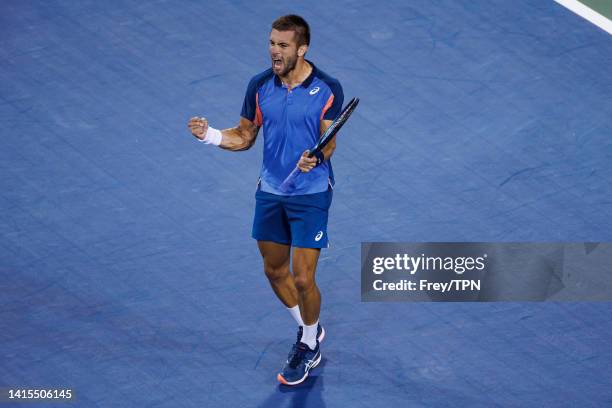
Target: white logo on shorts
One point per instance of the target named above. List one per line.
(319, 236)
(314, 90)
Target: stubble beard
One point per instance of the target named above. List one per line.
(289, 66)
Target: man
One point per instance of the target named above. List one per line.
(295, 103)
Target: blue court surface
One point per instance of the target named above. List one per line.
(127, 271)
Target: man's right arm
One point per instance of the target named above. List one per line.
(238, 138)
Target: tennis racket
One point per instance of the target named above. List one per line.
(289, 183)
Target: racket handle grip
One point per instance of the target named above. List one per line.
(289, 183)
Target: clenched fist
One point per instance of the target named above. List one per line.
(198, 127)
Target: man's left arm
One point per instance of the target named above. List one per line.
(330, 111)
(308, 163)
(328, 150)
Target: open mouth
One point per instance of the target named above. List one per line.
(277, 63)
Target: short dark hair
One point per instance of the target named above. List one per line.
(291, 22)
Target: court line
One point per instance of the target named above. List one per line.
(588, 13)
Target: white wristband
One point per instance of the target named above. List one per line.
(213, 136)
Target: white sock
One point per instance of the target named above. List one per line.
(309, 336)
(295, 312)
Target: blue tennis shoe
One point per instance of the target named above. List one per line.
(301, 360)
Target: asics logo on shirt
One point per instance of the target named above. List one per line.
(314, 90)
(319, 236)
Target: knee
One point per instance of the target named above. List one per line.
(275, 273)
(303, 283)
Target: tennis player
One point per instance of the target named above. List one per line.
(294, 102)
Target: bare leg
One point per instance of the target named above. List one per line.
(276, 266)
(308, 295)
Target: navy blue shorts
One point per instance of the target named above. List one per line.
(299, 221)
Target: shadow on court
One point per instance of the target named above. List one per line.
(307, 394)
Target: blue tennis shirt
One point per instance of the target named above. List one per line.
(291, 121)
